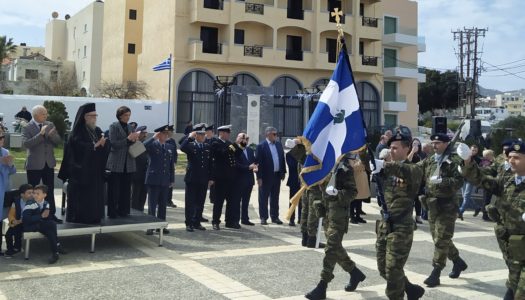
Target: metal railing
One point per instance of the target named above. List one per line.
(212, 48)
(254, 8)
(370, 22)
(256, 51)
(396, 98)
(369, 60)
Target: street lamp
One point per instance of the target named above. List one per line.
(222, 84)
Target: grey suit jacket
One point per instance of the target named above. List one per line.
(40, 147)
(119, 156)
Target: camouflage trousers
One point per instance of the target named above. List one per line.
(335, 227)
(393, 247)
(516, 278)
(309, 219)
(442, 220)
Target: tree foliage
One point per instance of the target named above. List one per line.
(125, 90)
(511, 127)
(64, 85)
(58, 115)
(440, 91)
(6, 47)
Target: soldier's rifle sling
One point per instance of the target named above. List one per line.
(449, 148)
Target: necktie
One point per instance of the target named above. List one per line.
(163, 147)
(40, 126)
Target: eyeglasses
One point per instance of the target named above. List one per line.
(273, 133)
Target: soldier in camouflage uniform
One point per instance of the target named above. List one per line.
(441, 203)
(395, 231)
(334, 207)
(508, 211)
(309, 219)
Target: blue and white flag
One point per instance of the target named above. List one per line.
(336, 126)
(165, 65)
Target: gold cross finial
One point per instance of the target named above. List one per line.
(337, 14)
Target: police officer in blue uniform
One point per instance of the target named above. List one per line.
(210, 138)
(224, 161)
(160, 175)
(198, 176)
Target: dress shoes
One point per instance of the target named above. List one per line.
(199, 227)
(292, 224)
(248, 223)
(189, 228)
(277, 221)
(204, 220)
(216, 227)
(57, 220)
(233, 226)
(264, 222)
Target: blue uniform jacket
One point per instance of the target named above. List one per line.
(32, 215)
(161, 166)
(199, 161)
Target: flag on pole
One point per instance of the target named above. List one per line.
(336, 126)
(165, 65)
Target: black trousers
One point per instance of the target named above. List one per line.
(245, 191)
(417, 206)
(13, 237)
(293, 191)
(270, 190)
(139, 191)
(224, 191)
(194, 198)
(47, 176)
(49, 229)
(119, 190)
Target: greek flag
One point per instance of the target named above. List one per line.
(165, 65)
(336, 126)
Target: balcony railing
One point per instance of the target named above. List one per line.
(294, 55)
(256, 51)
(214, 4)
(254, 8)
(369, 60)
(369, 22)
(212, 48)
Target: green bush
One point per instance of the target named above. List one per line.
(58, 115)
(511, 127)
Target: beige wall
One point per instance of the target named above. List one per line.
(56, 34)
(113, 41)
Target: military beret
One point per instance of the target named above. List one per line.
(507, 142)
(227, 128)
(164, 128)
(398, 137)
(142, 128)
(516, 146)
(440, 137)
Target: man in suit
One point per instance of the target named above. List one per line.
(271, 170)
(224, 160)
(293, 183)
(39, 138)
(160, 175)
(198, 176)
(245, 167)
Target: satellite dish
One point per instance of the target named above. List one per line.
(54, 15)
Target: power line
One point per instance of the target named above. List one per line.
(510, 73)
(506, 68)
(511, 62)
(501, 75)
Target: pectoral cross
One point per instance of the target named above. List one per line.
(337, 14)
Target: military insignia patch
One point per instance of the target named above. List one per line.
(517, 147)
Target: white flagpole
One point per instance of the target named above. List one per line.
(169, 92)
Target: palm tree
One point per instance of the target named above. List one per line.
(6, 47)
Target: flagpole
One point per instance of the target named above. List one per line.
(169, 93)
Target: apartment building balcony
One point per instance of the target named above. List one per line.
(207, 52)
(421, 75)
(371, 28)
(323, 62)
(403, 37)
(397, 104)
(210, 11)
(421, 44)
(402, 70)
(367, 64)
(253, 10)
(303, 59)
(258, 55)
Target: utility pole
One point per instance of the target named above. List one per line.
(469, 54)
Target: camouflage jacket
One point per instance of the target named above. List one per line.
(401, 182)
(345, 183)
(511, 201)
(451, 179)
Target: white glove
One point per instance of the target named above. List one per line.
(289, 143)
(523, 217)
(464, 151)
(435, 180)
(379, 166)
(331, 190)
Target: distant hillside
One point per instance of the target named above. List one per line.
(488, 92)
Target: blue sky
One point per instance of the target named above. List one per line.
(504, 42)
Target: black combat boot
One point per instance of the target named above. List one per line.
(304, 241)
(509, 295)
(459, 266)
(413, 291)
(310, 243)
(356, 276)
(433, 279)
(319, 292)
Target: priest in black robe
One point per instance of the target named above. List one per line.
(85, 157)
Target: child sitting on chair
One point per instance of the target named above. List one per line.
(35, 217)
(13, 236)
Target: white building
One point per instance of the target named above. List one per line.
(493, 114)
(79, 39)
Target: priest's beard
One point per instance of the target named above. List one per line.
(91, 126)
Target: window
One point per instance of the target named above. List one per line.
(85, 27)
(239, 36)
(390, 25)
(132, 14)
(196, 100)
(331, 49)
(31, 74)
(361, 9)
(390, 120)
(54, 76)
(85, 51)
(390, 58)
(213, 4)
(288, 111)
(3, 75)
(390, 91)
(210, 40)
(131, 48)
(361, 48)
(83, 75)
(294, 49)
